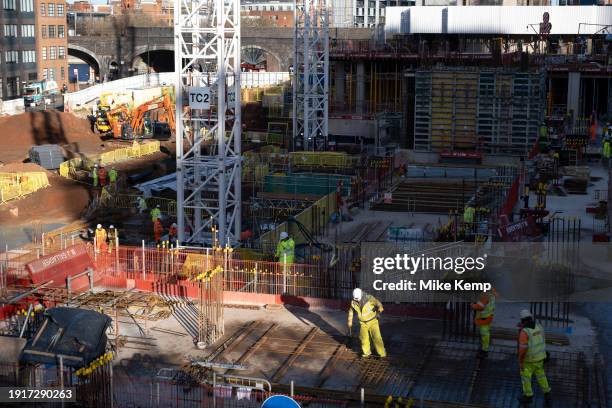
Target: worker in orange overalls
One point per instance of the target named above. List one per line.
(158, 230)
(100, 238)
(102, 174)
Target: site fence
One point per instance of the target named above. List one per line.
(107, 386)
(69, 168)
(158, 268)
(17, 185)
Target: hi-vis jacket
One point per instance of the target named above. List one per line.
(366, 309)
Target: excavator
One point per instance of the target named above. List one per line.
(116, 118)
(141, 123)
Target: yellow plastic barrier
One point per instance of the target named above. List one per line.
(67, 168)
(16, 185)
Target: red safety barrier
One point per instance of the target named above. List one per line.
(512, 198)
(58, 266)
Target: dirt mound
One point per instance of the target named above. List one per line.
(63, 200)
(22, 167)
(19, 133)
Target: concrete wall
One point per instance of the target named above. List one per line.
(352, 127)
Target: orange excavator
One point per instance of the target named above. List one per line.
(116, 118)
(141, 122)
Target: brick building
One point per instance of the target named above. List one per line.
(17, 47)
(52, 40)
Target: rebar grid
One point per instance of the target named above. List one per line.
(445, 371)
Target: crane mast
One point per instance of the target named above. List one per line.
(208, 125)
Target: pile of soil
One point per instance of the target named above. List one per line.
(63, 200)
(18, 133)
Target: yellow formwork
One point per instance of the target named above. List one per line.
(19, 184)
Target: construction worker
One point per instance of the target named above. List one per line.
(543, 137)
(100, 238)
(113, 235)
(532, 354)
(102, 174)
(172, 233)
(158, 230)
(285, 250)
(141, 203)
(112, 177)
(468, 216)
(368, 309)
(607, 150)
(485, 309)
(94, 175)
(155, 213)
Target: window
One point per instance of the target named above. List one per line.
(27, 30)
(28, 56)
(52, 53)
(60, 9)
(10, 30)
(60, 31)
(45, 73)
(61, 52)
(32, 76)
(44, 53)
(42, 9)
(51, 74)
(11, 57)
(12, 86)
(9, 5)
(43, 31)
(0, 88)
(63, 73)
(51, 10)
(27, 6)
(51, 31)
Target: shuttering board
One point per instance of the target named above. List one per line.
(477, 109)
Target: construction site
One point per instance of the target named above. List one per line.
(219, 235)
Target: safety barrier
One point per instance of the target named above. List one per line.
(155, 269)
(12, 107)
(247, 80)
(68, 168)
(321, 159)
(17, 185)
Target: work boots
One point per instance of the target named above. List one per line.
(525, 401)
(548, 400)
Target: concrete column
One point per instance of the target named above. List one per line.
(340, 86)
(360, 88)
(573, 93)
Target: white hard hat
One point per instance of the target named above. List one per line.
(112, 226)
(357, 293)
(174, 224)
(99, 226)
(525, 314)
(284, 235)
(157, 206)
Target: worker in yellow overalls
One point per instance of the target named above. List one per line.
(367, 308)
(485, 309)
